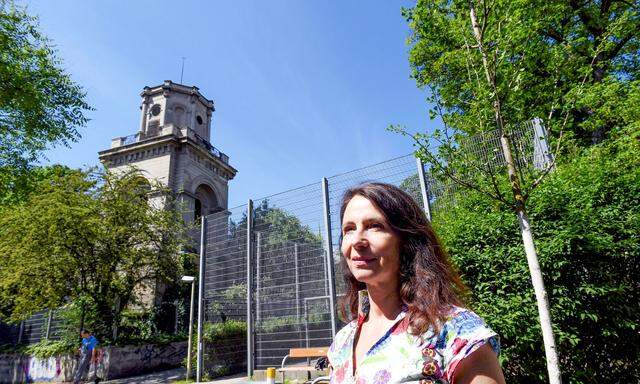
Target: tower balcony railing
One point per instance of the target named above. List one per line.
(129, 139)
(171, 130)
(206, 144)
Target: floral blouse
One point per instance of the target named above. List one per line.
(399, 357)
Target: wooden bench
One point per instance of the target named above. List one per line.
(302, 353)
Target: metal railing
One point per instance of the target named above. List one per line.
(213, 150)
(199, 140)
(126, 140)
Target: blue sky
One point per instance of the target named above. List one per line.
(303, 89)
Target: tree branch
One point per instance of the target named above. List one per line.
(439, 167)
(618, 47)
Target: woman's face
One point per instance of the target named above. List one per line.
(370, 246)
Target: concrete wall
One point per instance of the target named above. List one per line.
(16, 368)
(133, 360)
(116, 362)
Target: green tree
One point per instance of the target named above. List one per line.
(277, 225)
(16, 188)
(40, 105)
(95, 239)
(282, 226)
(587, 220)
(491, 65)
(556, 60)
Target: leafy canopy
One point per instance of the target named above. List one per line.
(40, 105)
(89, 238)
(556, 60)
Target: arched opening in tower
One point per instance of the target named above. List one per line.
(206, 201)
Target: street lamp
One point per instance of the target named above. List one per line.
(190, 279)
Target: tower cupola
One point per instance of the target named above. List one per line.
(175, 105)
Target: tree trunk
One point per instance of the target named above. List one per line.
(82, 314)
(525, 229)
(116, 318)
(541, 298)
(534, 267)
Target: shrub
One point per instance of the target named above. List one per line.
(586, 222)
(217, 332)
(230, 329)
(49, 348)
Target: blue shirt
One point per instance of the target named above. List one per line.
(89, 343)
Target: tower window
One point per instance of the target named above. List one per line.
(155, 109)
(199, 119)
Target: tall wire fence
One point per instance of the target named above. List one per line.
(289, 291)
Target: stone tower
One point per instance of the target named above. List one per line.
(173, 146)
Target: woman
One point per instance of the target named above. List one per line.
(406, 299)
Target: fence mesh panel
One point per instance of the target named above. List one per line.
(225, 289)
(226, 266)
(291, 288)
(482, 154)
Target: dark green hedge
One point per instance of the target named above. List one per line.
(586, 222)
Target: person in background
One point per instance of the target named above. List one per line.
(88, 356)
(406, 300)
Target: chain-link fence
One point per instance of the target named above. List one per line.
(293, 280)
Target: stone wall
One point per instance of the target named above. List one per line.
(116, 362)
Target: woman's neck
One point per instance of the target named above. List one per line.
(384, 302)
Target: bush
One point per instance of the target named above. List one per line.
(213, 333)
(221, 331)
(49, 348)
(586, 221)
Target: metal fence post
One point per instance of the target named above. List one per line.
(423, 188)
(329, 255)
(541, 155)
(20, 332)
(249, 293)
(297, 279)
(203, 241)
(306, 323)
(49, 318)
(258, 256)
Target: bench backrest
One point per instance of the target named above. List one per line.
(308, 352)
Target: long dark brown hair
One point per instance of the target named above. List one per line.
(429, 283)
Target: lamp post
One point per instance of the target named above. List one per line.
(192, 280)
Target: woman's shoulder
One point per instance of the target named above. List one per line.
(345, 332)
(464, 318)
(460, 334)
(464, 323)
(342, 337)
